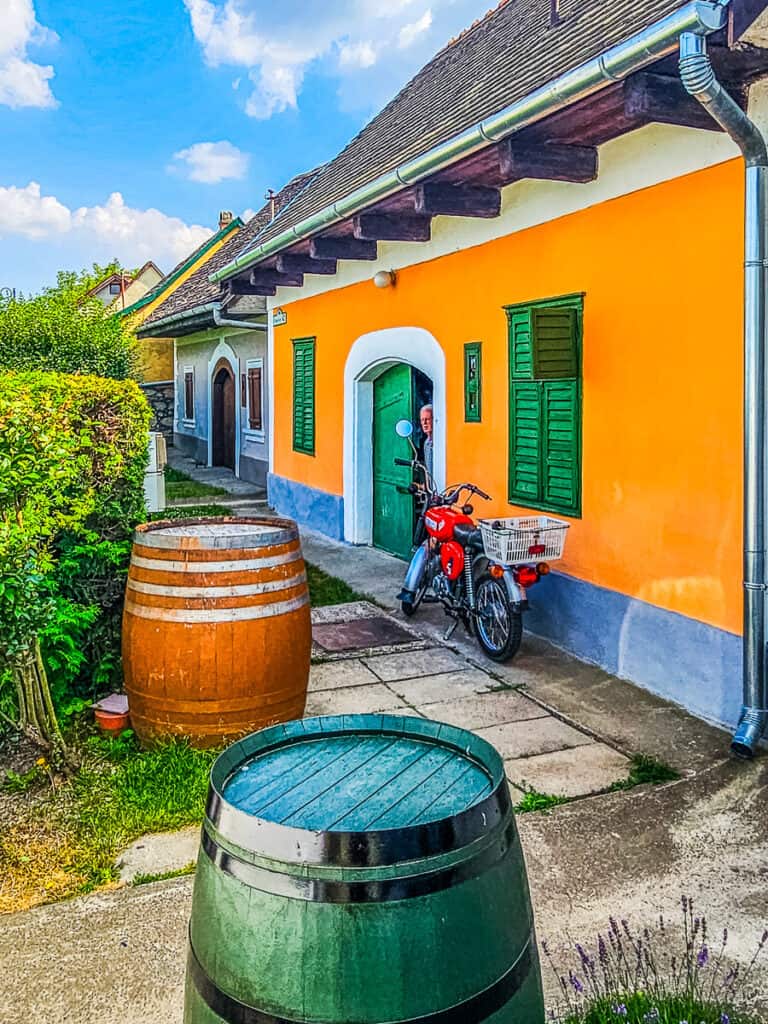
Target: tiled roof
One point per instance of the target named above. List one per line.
(197, 290)
(510, 52)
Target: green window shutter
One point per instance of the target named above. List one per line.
(525, 442)
(555, 343)
(472, 382)
(304, 396)
(561, 417)
(520, 344)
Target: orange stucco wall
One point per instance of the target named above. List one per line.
(661, 270)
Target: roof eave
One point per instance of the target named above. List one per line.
(639, 50)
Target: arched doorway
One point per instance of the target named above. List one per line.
(223, 419)
(398, 394)
(369, 358)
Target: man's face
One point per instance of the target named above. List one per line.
(425, 419)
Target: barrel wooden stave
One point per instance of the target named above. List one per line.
(216, 640)
(394, 952)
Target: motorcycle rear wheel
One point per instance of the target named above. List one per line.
(498, 627)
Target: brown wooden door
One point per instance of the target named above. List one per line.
(224, 418)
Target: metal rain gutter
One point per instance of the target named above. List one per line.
(657, 40)
(214, 308)
(699, 79)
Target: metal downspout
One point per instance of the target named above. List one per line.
(699, 79)
(246, 325)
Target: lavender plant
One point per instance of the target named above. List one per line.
(639, 978)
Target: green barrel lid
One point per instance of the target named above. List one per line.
(358, 773)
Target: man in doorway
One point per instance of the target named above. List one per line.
(426, 445)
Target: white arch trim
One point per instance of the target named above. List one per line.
(224, 351)
(368, 358)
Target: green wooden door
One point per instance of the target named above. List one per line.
(392, 511)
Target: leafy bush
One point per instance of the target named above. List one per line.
(638, 978)
(58, 331)
(72, 455)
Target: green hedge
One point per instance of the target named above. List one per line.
(73, 452)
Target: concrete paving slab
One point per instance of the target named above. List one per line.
(345, 612)
(353, 700)
(159, 852)
(575, 772)
(484, 710)
(444, 686)
(332, 675)
(534, 736)
(411, 664)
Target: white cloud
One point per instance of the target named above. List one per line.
(211, 162)
(23, 83)
(370, 47)
(409, 33)
(111, 229)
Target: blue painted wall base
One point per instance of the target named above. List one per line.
(308, 506)
(680, 659)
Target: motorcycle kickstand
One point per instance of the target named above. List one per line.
(451, 629)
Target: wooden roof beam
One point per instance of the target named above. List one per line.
(240, 287)
(649, 97)
(336, 247)
(550, 161)
(389, 227)
(275, 278)
(292, 263)
(434, 199)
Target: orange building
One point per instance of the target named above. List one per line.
(545, 243)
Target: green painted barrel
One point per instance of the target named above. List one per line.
(361, 869)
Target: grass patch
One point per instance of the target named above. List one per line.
(67, 843)
(180, 485)
(535, 801)
(325, 589)
(640, 1008)
(191, 512)
(145, 879)
(645, 770)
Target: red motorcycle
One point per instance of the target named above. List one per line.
(479, 573)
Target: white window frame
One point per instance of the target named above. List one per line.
(256, 435)
(187, 422)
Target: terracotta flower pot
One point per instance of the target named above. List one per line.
(108, 721)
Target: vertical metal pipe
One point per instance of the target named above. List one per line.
(699, 79)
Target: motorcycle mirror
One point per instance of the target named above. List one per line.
(404, 428)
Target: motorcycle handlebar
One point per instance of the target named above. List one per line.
(403, 462)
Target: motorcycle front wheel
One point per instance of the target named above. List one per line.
(411, 607)
(498, 627)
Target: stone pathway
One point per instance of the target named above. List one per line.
(540, 750)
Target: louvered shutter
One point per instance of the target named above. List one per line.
(520, 344)
(525, 442)
(254, 398)
(304, 396)
(560, 444)
(554, 343)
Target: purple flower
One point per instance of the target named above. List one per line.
(576, 984)
(619, 1009)
(725, 1019)
(652, 1015)
(702, 957)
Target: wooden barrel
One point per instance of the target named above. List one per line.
(361, 868)
(216, 628)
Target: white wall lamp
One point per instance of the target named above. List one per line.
(384, 278)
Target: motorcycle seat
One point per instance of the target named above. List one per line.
(468, 536)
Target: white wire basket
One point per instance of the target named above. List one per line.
(523, 539)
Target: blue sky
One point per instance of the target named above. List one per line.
(125, 128)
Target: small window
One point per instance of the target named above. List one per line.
(255, 394)
(472, 382)
(114, 289)
(189, 395)
(304, 395)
